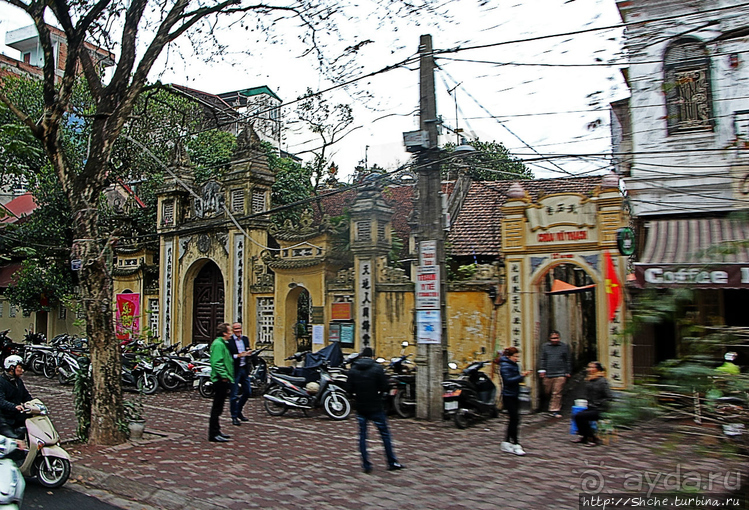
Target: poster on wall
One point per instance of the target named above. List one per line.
(318, 334)
(428, 327)
(128, 316)
(347, 335)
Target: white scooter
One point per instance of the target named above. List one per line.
(12, 483)
(45, 460)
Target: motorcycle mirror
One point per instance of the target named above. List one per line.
(404, 344)
(453, 365)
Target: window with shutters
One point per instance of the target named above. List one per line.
(167, 215)
(258, 201)
(363, 231)
(380, 231)
(265, 320)
(687, 86)
(153, 315)
(237, 200)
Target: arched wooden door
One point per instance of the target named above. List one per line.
(208, 303)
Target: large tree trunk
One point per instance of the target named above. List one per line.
(97, 299)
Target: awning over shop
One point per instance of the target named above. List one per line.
(709, 253)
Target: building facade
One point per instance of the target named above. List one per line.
(681, 144)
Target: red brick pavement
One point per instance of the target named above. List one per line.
(294, 461)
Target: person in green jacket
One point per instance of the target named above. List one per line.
(222, 375)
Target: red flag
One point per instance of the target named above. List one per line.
(613, 287)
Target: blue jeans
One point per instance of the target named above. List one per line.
(237, 401)
(381, 423)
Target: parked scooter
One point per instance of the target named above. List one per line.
(138, 372)
(12, 483)
(402, 393)
(289, 392)
(45, 460)
(471, 396)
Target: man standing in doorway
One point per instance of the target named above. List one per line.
(239, 347)
(554, 369)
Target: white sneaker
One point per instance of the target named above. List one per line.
(507, 447)
(518, 450)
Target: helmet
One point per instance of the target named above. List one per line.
(12, 361)
(730, 356)
(312, 388)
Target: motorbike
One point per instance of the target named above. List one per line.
(290, 392)
(203, 379)
(7, 346)
(138, 372)
(401, 396)
(470, 397)
(177, 369)
(68, 363)
(12, 483)
(46, 460)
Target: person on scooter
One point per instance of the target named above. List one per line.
(13, 393)
(511, 378)
(367, 382)
(239, 347)
(222, 375)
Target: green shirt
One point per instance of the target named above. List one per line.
(222, 362)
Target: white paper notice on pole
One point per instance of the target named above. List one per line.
(427, 288)
(428, 327)
(428, 253)
(317, 334)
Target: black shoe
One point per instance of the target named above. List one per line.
(241, 417)
(367, 470)
(395, 467)
(225, 436)
(235, 421)
(219, 439)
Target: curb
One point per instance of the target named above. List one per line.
(86, 477)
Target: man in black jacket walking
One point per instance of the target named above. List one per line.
(367, 382)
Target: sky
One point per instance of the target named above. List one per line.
(541, 98)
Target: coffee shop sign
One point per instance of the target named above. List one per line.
(730, 276)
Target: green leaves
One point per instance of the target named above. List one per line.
(491, 162)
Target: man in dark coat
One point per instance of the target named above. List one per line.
(13, 393)
(368, 382)
(239, 347)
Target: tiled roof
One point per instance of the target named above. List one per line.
(18, 208)
(477, 228)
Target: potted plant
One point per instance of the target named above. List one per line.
(134, 417)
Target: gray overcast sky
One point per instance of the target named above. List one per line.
(559, 107)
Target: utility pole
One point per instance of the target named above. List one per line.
(431, 330)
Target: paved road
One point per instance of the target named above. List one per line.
(64, 498)
(293, 461)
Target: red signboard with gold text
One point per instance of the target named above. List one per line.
(341, 312)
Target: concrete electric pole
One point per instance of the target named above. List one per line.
(431, 335)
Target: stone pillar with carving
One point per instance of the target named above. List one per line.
(370, 243)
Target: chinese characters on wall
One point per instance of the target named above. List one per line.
(515, 299)
(365, 295)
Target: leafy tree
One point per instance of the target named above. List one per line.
(140, 31)
(490, 162)
(293, 183)
(328, 122)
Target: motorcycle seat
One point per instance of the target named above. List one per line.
(295, 380)
(181, 358)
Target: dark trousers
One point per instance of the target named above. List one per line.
(583, 419)
(513, 413)
(221, 389)
(12, 427)
(380, 421)
(240, 392)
